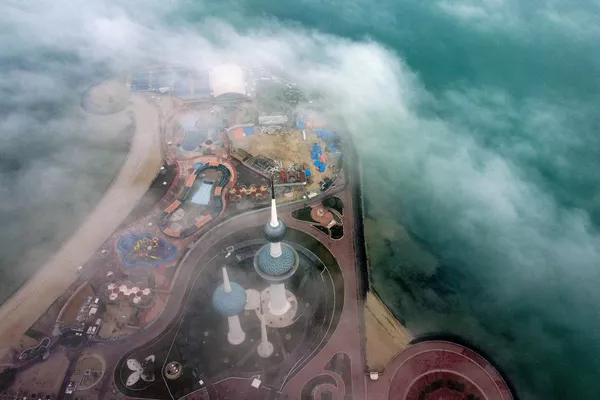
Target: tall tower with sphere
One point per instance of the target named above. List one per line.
(276, 261)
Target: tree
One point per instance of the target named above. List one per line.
(7, 377)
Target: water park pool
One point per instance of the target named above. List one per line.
(192, 135)
(192, 140)
(202, 195)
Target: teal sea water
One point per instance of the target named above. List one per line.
(477, 126)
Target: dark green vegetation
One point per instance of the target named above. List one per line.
(303, 214)
(7, 377)
(334, 203)
(337, 232)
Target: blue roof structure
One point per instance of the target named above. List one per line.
(229, 303)
(276, 266)
(275, 234)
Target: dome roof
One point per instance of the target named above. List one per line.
(276, 266)
(229, 303)
(227, 78)
(275, 234)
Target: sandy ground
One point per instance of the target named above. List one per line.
(26, 342)
(45, 377)
(70, 316)
(143, 161)
(289, 148)
(385, 336)
(114, 320)
(96, 367)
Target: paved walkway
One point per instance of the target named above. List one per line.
(347, 337)
(30, 302)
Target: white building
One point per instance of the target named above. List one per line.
(227, 79)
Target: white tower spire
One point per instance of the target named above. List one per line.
(276, 246)
(274, 220)
(226, 283)
(236, 334)
(265, 348)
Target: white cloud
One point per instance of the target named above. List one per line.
(475, 201)
(443, 171)
(579, 19)
(483, 14)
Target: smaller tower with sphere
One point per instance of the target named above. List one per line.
(229, 299)
(265, 348)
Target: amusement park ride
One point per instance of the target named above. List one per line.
(254, 193)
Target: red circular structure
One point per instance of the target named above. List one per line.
(437, 370)
(321, 215)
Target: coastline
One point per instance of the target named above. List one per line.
(6, 296)
(383, 334)
(30, 301)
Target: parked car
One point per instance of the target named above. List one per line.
(70, 387)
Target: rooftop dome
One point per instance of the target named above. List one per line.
(275, 234)
(276, 266)
(227, 79)
(173, 370)
(229, 303)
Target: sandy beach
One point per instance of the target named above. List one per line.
(384, 335)
(141, 165)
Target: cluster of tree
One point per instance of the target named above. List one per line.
(334, 203)
(293, 95)
(7, 377)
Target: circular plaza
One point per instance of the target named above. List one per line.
(438, 370)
